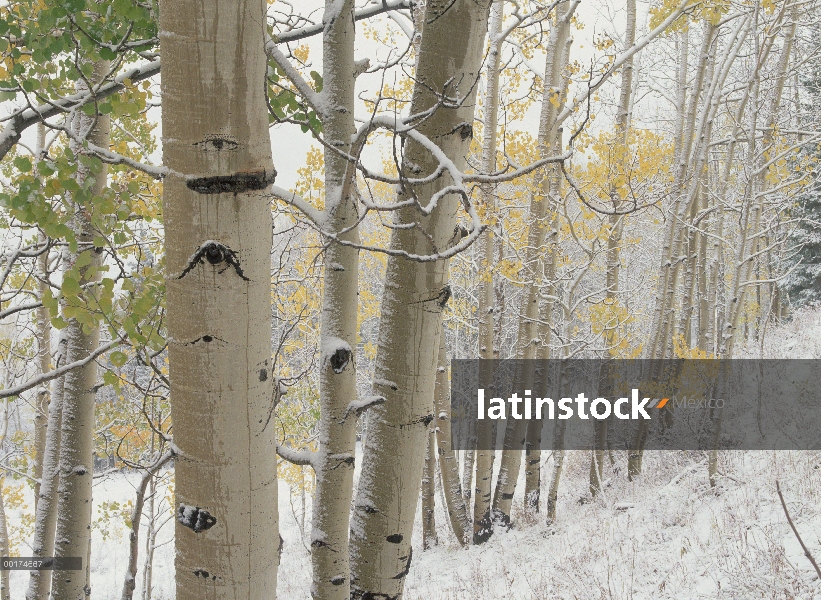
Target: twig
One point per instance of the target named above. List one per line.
(795, 531)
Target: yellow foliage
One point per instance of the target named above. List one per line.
(632, 173)
(681, 350)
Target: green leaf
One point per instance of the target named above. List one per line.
(117, 358)
(58, 323)
(317, 80)
(110, 378)
(70, 286)
(83, 259)
(107, 54)
(23, 164)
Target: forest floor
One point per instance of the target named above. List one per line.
(666, 535)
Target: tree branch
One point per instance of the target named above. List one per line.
(17, 390)
(806, 550)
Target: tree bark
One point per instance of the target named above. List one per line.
(337, 370)
(43, 335)
(218, 230)
(549, 138)
(448, 462)
(45, 520)
(484, 429)
(73, 530)
(429, 537)
(414, 296)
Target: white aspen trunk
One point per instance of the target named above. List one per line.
(218, 230)
(549, 137)
(73, 529)
(337, 370)
(429, 537)
(5, 590)
(414, 296)
(150, 542)
(468, 467)
(448, 463)
(45, 520)
(486, 308)
(130, 580)
(754, 193)
(43, 336)
(560, 427)
(614, 239)
(681, 93)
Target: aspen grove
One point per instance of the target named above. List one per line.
(244, 241)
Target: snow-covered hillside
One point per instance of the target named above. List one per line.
(667, 535)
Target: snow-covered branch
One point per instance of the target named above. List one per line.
(22, 119)
(298, 457)
(48, 376)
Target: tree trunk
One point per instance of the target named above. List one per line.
(484, 429)
(73, 531)
(43, 335)
(614, 240)
(337, 370)
(429, 537)
(130, 582)
(549, 137)
(45, 520)
(448, 463)
(150, 541)
(414, 296)
(5, 590)
(218, 244)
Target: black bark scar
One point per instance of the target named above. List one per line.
(441, 298)
(235, 183)
(195, 518)
(215, 253)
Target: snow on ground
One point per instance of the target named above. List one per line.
(667, 535)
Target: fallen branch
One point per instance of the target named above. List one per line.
(795, 530)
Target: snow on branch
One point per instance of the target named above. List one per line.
(373, 9)
(357, 407)
(314, 99)
(114, 158)
(297, 457)
(22, 119)
(34, 382)
(625, 56)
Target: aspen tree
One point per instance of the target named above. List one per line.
(73, 528)
(43, 335)
(614, 241)
(448, 463)
(549, 138)
(334, 462)
(429, 537)
(45, 518)
(218, 242)
(483, 457)
(414, 295)
(5, 590)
